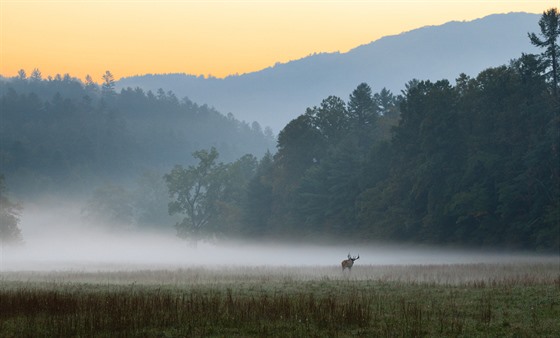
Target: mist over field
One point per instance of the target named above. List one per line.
(153, 205)
(57, 238)
(73, 278)
(466, 163)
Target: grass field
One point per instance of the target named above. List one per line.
(469, 300)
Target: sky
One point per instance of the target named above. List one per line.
(212, 37)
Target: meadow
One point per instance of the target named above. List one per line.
(451, 300)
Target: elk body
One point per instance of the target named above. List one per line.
(348, 263)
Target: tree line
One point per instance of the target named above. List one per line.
(64, 134)
(67, 138)
(471, 163)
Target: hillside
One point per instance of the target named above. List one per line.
(275, 95)
(61, 135)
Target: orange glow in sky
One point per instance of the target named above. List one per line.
(218, 38)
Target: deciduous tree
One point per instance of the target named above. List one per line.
(194, 193)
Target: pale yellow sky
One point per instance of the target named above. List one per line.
(130, 37)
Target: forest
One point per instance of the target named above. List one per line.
(62, 134)
(474, 162)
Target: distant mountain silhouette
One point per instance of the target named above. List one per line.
(276, 95)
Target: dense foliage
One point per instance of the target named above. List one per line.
(475, 163)
(60, 133)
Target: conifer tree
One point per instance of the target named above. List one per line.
(550, 30)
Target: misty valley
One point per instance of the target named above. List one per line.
(430, 212)
(472, 164)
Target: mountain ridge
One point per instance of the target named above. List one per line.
(276, 94)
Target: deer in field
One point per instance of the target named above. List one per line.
(348, 263)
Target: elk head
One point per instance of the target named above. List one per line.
(348, 263)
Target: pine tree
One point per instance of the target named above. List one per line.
(550, 30)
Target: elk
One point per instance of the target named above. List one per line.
(348, 263)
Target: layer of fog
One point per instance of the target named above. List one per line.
(57, 238)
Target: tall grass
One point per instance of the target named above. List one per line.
(504, 300)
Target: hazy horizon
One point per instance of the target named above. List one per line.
(234, 38)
